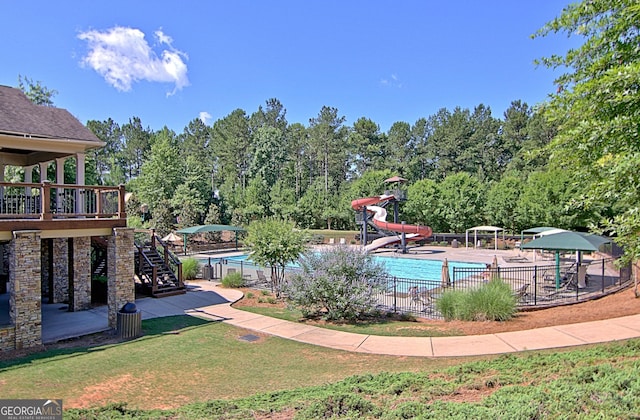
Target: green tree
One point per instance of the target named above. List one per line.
(283, 201)
(366, 146)
(256, 200)
(463, 198)
(233, 149)
(546, 201)
(162, 172)
(371, 183)
(107, 158)
(275, 243)
(597, 108)
(296, 170)
(163, 219)
(502, 199)
(328, 142)
(192, 194)
(424, 205)
(273, 115)
(399, 146)
(137, 143)
(269, 155)
(213, 217)
(36, 92)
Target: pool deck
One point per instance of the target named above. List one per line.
(428, 252)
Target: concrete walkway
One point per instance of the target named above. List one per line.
(509, 342)
(208, 300)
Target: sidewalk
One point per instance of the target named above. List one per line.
(509, 342)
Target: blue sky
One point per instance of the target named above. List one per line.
(169, 62)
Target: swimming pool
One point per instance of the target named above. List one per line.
(408, 268)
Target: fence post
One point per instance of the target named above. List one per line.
(602, 276)
(395, 294)
(535, 285)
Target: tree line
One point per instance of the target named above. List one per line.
(465, 167)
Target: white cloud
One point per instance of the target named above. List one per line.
(122, 56)
(205, 117)
(392, 81)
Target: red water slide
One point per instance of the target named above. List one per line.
(380, 216)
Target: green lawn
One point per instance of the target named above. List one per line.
(196, 369)
(184, 359)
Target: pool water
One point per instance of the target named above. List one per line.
(408, 268)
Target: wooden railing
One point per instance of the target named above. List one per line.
(47, 201)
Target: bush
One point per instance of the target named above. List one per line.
(233, 280)
(339, 283)
(190, 268)
(450, 304)
(493, 301)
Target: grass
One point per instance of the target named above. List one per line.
(194, 369)
(181, 360)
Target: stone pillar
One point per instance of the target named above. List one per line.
(81, 274)
(60, 270)
(25, 297)
(44, 267)
(120, 271)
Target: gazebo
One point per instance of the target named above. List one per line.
(477, 229)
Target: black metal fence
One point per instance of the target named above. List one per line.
(534, 286)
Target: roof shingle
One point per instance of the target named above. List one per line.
(19, 115)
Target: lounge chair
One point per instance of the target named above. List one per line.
(261, 277)
(518, 259)
(521, 292)
(420, 296)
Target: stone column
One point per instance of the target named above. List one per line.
(60, 270)
(120, 271)
(81, 274)
(25, 296)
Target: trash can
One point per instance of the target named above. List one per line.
(207, 272)
(129, 321)
(454, 243)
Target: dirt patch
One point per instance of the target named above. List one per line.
(613, 306)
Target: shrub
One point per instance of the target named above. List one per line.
(190, 268)
(492, 301)
(450, 304)
(233, 280)
(340, 283)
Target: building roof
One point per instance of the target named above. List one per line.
(20, 116)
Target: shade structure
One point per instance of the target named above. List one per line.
(395, 179)
(537, 230)
(475, 230)
(446, 278)
(567, 241)
(207, 228)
